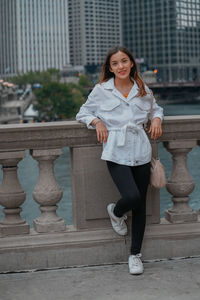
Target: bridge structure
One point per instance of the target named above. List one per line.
(90, 240)
(185, 91)
(191, 84)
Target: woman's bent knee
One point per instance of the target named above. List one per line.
(133, 200)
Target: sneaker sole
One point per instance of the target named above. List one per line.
(136, 273)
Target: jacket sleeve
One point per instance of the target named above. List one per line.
(157, 110)
(88, 111)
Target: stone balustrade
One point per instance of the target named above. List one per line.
(90, 239)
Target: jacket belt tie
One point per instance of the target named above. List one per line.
(132, 127)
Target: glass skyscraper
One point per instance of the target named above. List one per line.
(166, 34)
(33, 35)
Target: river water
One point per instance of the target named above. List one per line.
(28, 174)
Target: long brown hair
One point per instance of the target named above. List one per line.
(106, 74)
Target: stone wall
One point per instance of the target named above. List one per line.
(90, 239)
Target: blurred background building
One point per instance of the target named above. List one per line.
(94, 27)
(165, 36)
(33, 35)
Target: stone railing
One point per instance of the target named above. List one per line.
(90, 239)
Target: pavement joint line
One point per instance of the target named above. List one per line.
(99, 265)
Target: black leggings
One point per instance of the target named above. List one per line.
(132, 183)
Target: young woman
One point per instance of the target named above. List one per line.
(118, 107)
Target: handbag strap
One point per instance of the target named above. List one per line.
(154, 143)
(151, 111)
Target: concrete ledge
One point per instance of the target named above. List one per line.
(72, 133)
(94, 247)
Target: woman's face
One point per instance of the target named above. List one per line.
(120, 65)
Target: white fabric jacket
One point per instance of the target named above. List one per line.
(127, 142)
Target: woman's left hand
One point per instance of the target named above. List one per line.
(155, 128)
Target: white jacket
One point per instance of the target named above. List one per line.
(127, 142)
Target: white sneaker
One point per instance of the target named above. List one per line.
(135, 264)
(118, 224)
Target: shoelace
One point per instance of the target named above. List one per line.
(122, 219)
(136, 260)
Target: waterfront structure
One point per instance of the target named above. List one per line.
(90, 240)
(9, 106)
(166, 34)
(33, 35)
(94, 27)
(13, 106)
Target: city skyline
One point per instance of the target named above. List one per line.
(41, 34)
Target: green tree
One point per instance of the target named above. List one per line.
(85, 85)
(31, 77)
(55, 74)
(19, 80)
(84, 81)
(58, 101)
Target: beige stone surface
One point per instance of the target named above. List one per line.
(91, 247)
(166, 280)
(91, 239)
(12, 196)
(180, 183)
(93, 189)
(71, 133)
(47, 192)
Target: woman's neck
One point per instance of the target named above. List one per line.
(124, 85)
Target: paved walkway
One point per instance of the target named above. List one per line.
(165, 280)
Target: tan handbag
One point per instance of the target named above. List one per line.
(157, 177)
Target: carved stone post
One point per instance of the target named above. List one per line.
(12, 195)
(47, 192)
(180, 183)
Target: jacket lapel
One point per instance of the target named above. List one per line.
(118, 94)
(133, 92)
(110, 86)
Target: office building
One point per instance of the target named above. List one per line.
(94, 27)
(166, 35)
(33, 35)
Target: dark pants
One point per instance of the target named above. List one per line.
(132, 183)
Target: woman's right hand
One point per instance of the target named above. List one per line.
(102, 133)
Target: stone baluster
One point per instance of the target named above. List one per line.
(180, 183)
(47, 192)
(12, 195)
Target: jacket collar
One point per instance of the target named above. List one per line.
(109, 85)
